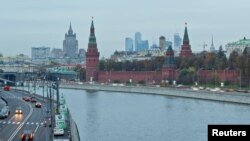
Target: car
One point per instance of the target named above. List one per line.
(27, 135)
(38, 105)
(27, 99)
(6, 88)
(33, 100)
(58, 131)
(4, 112)
(19, 110)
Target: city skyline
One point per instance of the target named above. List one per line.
(33, 23)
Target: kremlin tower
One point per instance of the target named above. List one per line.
(92, 56)
(185, 48)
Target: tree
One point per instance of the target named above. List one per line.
(233, 59)
(81, 71)
(102, 65)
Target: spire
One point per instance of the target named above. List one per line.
(92, 23)
(92, 39)
(186, 39)
(70, 32)
(212, 45)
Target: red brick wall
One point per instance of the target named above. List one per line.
(219, 76)
(124, 76)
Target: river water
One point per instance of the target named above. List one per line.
(114, 116)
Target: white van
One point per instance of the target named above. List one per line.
(58, 131)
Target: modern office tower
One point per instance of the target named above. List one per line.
(129, 44)
(70, 44)
(140, 45)
(177, 42)
(40, 52)
(137, 40)
(167, 44)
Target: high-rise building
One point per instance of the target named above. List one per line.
(70, 44)
(92, 57)
(212, 49)
(162, 43)
(186, 48)
(177, 42)
(129, 44)
(137, 40)
(140, 45)
(167, 44)
(40, 52)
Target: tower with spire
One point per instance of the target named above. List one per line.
(92, 56)
(185, 48)
(212, 49)
(70, 44)
(169, 68)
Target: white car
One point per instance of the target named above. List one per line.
(58, 131)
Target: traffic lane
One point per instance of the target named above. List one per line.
(35, 124)
(39, 114)
(10, 124)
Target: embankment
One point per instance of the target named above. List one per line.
(233, 97)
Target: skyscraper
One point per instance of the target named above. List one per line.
(129, 44)
(177, 42)
(162, 43)
(137, 40)
(140, 45)
(70, 44)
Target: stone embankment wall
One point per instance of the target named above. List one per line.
(234, 97)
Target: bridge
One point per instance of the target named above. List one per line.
(40, 121)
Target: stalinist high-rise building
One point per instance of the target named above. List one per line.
(70, 44)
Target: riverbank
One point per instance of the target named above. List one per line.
(232, 97)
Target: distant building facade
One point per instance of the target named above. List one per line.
(129, 44)
(40, 52)
(237, 46)
(82, 53)
(177, 42)
(70, 44)
(57, 53)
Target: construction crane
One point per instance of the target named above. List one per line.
(204, 45)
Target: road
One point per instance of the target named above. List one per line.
(32, 119)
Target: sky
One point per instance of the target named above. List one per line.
(33, 23)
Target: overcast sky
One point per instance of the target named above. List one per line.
(28, 23)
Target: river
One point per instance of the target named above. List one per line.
(114, 116)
